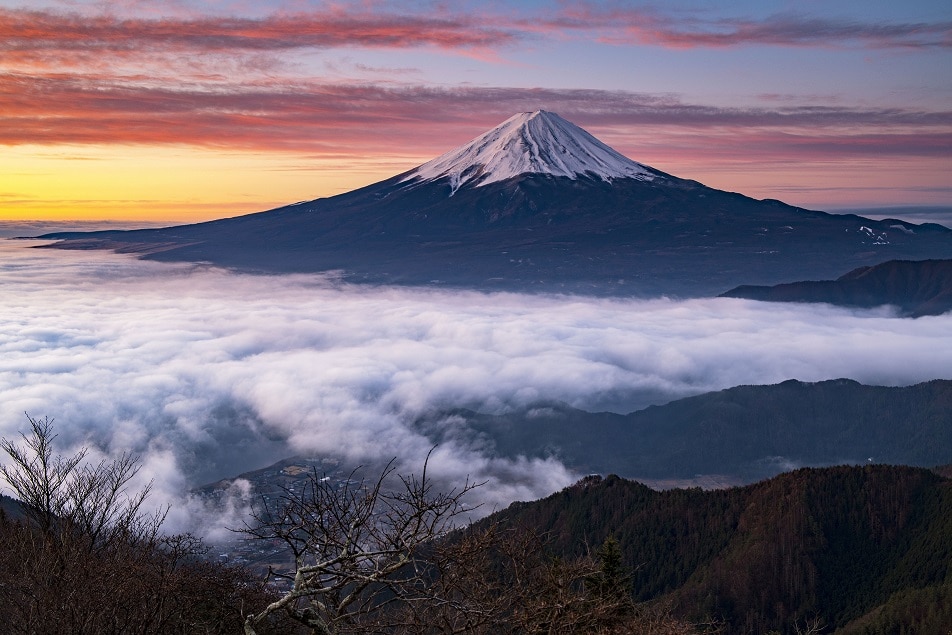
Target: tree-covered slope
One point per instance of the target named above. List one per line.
(836, 544)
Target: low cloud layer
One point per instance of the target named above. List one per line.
(208, 373)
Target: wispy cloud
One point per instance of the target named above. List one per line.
(329, 118)
(38, 33)
(70, 77)
(654, 27)
(45, 30)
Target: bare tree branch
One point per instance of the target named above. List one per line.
(357, 545)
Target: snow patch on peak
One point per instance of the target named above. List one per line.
(537, 142)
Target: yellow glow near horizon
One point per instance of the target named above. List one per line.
(181, 184)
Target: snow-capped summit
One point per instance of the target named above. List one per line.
(537, 142)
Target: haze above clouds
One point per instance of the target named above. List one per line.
(208, 373)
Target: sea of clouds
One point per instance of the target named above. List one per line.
(207, 373)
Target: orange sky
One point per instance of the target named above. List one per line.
(184, 184)
(173, 183)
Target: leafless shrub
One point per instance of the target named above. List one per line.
(84, 556)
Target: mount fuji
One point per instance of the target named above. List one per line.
(530, 143)
(539, 204)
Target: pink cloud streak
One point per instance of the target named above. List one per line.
(652, 27)
(40, 32)
(43, 30)
(325, 118)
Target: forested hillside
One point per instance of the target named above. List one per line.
(835, 544)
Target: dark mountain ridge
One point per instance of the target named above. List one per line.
(916, 288)
(741, 434)
(559, 211)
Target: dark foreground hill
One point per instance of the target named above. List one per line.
(916, 288)
(539, 204)
(861, 550)
(743, 433)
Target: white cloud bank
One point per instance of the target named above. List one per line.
(208, 373)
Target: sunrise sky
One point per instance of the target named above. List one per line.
(181, 111)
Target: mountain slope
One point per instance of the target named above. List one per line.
(539, 204)
(916, 288)
(833, 543)
(744, 433)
